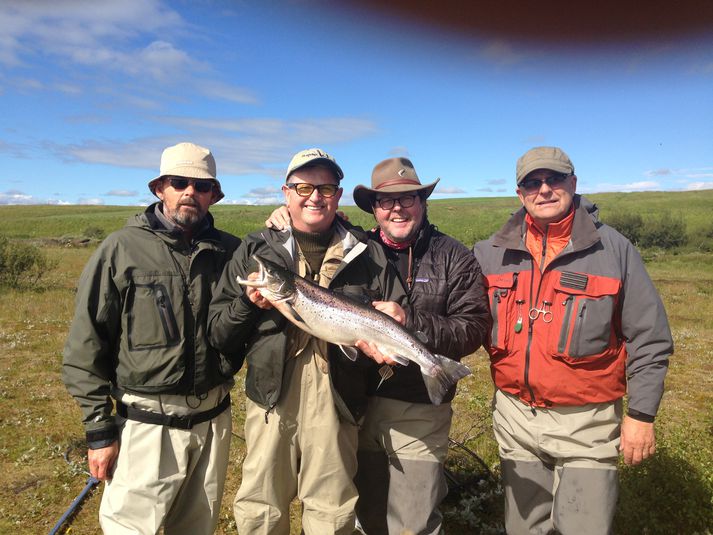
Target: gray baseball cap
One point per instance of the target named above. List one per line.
(552, 158)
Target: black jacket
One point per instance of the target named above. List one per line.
(447, 302)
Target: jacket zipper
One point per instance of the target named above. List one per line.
(165, 313)
(567, 303)
(531, 322)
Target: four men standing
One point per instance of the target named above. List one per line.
(575, 324)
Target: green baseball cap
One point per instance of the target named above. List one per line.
(552, 158)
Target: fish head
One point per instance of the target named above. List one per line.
(274, 282)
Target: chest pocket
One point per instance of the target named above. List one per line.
(151, 319)
(583, 318)
(501, 296)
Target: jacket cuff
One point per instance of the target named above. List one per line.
(642, 417)
(101, 438)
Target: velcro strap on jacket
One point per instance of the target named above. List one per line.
(171, 420)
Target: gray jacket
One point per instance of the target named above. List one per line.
(140, 319)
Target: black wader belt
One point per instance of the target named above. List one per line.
(171, 420)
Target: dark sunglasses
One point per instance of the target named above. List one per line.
(305, 190)
(200, 185)
(531, 185)
(387, 203)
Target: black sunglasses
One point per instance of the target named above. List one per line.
(387, 203)
(200, 185)
(305, 190)
(531, 185)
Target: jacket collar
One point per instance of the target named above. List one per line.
(584, 227)
(173, 235)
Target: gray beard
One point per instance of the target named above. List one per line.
(187, 219)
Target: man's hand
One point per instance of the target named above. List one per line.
(279, 219)
(254, 294)
(101, 461)
(638, 440)
(371, 351)
(390, 308)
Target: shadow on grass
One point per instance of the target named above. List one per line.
(666, 494)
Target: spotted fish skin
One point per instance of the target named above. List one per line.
(341, 321)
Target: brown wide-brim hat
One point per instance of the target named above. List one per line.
(188, 160)
(395, 175)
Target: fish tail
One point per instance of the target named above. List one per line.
(447, 373)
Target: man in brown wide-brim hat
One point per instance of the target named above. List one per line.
(404, 438)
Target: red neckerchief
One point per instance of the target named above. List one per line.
(398, 245)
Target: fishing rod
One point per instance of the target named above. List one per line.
(91, 483)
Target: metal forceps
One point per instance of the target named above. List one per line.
(545, 311)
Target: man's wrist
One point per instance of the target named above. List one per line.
(640, 416)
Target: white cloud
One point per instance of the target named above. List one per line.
(399, 151)
(16, 197)
(251, 146)
(449, 191)
(130, 37)
(658, 172)
(644, 185)
(695, 186)
(121, 193)
(228, 92)
(89, 200)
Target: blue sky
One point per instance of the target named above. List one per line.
(91, 92)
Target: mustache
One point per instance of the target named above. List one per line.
(188, 202)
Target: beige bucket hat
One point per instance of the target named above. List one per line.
(394, 175)
(190, 161)
(552, 158)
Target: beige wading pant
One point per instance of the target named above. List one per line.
(402, 450)
(558, 466)
(302, 450)
(167, 477)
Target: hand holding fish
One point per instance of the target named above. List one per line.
(391, 308)
(371, 350)
(254, 295)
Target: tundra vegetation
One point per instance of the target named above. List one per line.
(42, 468)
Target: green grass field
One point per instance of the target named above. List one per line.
(41, 439)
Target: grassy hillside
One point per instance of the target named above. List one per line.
(41, 439)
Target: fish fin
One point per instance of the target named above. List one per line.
(351, 352)
(447, 373)
(422, 337)
(294, 313)
(400, 359)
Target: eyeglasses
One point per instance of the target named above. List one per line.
(387, 203)
(200, 185)
(304, 189)
(531, 185)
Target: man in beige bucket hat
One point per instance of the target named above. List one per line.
(404, 438)
(577, 324)
(138, 341)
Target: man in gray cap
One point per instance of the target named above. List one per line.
(305, 397)
(404, 439)
(138, 340)
(577, 324)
